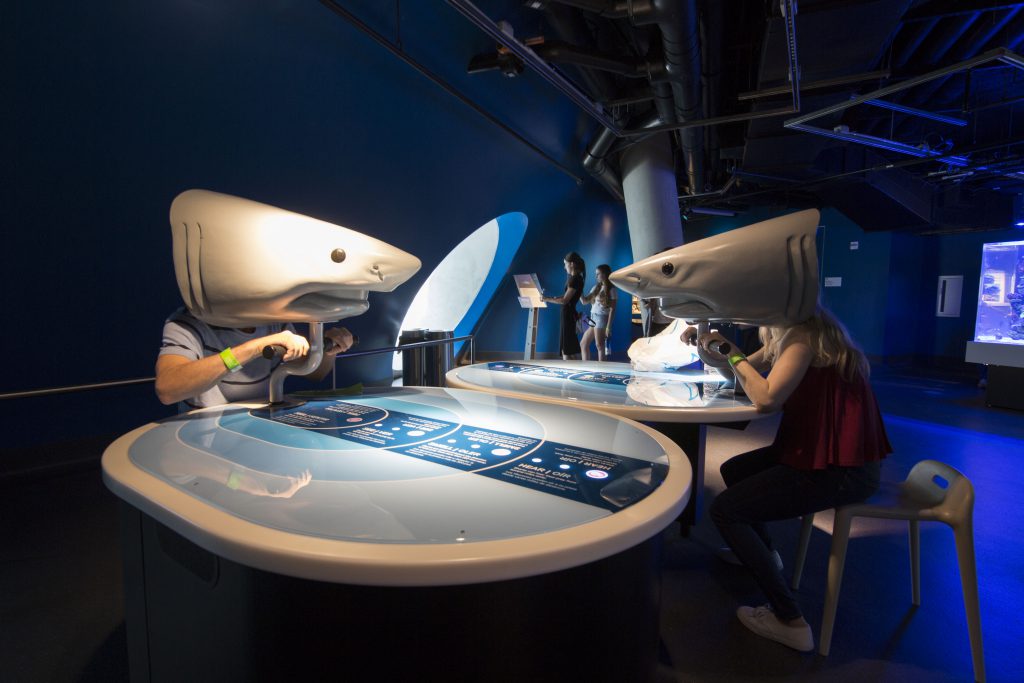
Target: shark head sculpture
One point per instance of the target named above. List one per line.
(762, 274)
(240, 263)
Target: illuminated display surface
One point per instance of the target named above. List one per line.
(478, 478)
(1000, 316)
(690, 396)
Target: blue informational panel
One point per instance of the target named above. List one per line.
(596, 478)
(407, 465)
(608, 378)
(616, 387)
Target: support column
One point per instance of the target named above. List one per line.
(652, 196)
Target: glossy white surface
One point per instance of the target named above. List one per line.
(648, 396)
(379, 516)
(761, 274)
(240, 263)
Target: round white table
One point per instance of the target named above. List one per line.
(678, 404)
(418, 530)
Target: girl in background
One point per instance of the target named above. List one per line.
(602, 297)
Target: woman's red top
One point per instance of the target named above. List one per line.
(829, 421)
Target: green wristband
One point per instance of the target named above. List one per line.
(234, 480)
(230, 362)
(736, 358)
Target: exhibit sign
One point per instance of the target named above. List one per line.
(407, 466)
(605, 480)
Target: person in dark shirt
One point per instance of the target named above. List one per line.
(575, 268)
(826, 453)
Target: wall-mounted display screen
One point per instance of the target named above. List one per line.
(1001, 294)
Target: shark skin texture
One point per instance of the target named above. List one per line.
(240, 263)
(761, 274)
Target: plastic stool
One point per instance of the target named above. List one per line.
(932, 492)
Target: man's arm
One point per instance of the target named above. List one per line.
(179, 378)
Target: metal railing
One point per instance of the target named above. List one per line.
(143, 380)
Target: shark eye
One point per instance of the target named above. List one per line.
(667, 268)
(338, 255)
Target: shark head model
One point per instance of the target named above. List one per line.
(240, 263)
(762, 274)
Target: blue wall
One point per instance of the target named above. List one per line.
(117, 107)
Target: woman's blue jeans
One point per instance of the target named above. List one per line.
(760, 490)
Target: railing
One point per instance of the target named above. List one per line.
(143, 380)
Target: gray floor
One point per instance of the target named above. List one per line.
(62, 619)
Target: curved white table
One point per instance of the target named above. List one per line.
(677, 404)
(431, 522)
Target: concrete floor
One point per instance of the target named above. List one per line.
(62, 613)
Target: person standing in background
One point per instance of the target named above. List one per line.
(569, 345)
(602, 298)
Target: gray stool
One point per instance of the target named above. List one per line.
(932, 492)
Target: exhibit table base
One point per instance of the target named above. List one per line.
(194, 616)
(1003, 387)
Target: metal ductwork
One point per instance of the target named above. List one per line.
(680, 31)
(598, 165)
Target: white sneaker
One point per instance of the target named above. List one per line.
(762, 621)
(725, 554)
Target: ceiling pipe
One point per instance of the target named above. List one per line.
(788, 8)
(569, 25)
(597, 163)
(680, 32)
(711, 60)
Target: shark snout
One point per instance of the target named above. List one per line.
(629, 280)
(390, 268)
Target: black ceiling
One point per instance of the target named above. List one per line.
(945, 154)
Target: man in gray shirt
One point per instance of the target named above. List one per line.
(203, 365)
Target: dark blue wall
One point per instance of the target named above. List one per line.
(114, 108)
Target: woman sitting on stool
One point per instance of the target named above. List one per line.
(826, 453)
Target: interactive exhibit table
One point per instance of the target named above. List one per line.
(679, 404)
(397, 535)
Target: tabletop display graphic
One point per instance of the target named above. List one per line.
(375, 464)
(611, 387)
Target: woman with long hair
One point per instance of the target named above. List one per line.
(569, 345)
(826, 453)
(601, 298)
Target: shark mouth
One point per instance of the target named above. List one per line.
(761, 274)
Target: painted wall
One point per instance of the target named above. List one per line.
(117, 107)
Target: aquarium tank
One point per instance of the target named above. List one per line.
(1001, 294)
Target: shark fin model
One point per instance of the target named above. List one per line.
(762, 274)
